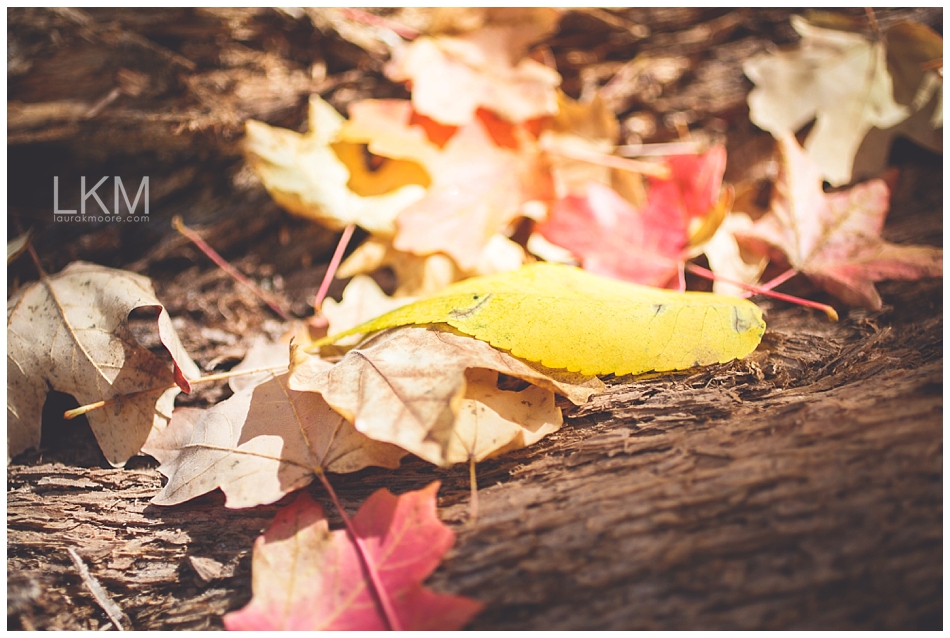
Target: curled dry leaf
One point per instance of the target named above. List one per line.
(70, 333)
(838, 78)
(305, 577)
(430, 393)
(260, 444)
(453, 76)
(306, 175)
(591, 324)
(835, 238)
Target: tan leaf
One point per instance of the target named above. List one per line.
(70, 333)
(838, 78)
(408, 387)
(306, 176)
(728, 260)
(362, 300)
(419, 276)
(260, 444)
(453, 75)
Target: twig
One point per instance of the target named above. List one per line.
(89, 407)
(115, 614)
(382, 596)
(603, 159)
(228, 268)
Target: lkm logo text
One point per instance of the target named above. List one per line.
(102, 213)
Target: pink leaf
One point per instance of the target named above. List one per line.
(649, 246)
(306, 577)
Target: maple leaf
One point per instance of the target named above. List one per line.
(646, 246)
(839, 79)
(434, 394)
(592, 324)
(305, 577)
(70, 333)
(453, 76)
(477, 188)
(834, 238)
(260, 444)
(911, 49)
(306, 175)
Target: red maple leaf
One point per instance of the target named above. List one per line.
(834, 238)
(646, 246)
(305, 577)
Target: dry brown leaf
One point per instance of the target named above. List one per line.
(260, 444)
(70, 333)
(453, 75)
(408, 387)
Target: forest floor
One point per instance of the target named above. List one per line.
(799, 488)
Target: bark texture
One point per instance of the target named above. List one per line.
(800, 488)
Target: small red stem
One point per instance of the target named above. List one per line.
(781, 279)
(385, 604)
(228, 268)
(830, 312)
(334, 265)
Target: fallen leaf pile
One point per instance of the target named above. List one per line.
(461, 188)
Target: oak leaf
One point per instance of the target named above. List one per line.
(434, 394)
(453, 76)
(70, 333)
(306, 174)
(834, 238)
(260, 444)
(839, 79)
(591, 324)
(305, 577)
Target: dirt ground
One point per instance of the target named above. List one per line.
(801, 488)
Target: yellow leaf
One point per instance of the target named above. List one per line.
(563, 317)
(311, 176)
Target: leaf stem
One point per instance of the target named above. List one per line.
(830, 312)
(473, 499)
(334, 265)
(385, 604)
(603, 159)
(228, 268)
(90, 407)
